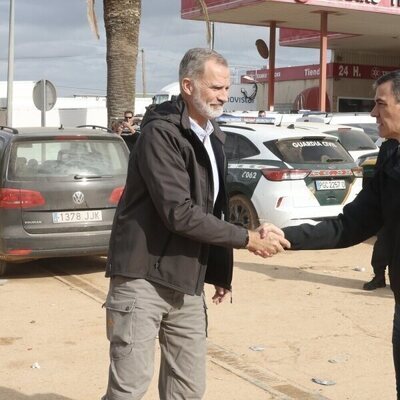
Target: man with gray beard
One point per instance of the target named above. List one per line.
(170, 236)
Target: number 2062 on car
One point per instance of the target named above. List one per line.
(77, 216)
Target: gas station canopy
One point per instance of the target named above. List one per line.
(363, 25)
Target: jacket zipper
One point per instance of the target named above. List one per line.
(158, 262)
(209, 167)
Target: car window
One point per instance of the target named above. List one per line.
(371, 129)
(160, 98)
(31, 160)
(229, 146)
(353, 140)
(309, 151)
(237, 147)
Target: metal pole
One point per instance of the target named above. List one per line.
(212, 35)
(271, 71)
(322, 60)
(143, 75)
(44, 105)
(10, 73)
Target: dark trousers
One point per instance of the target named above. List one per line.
(396, 347)
(379, 256)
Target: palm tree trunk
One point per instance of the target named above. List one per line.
(121, 20)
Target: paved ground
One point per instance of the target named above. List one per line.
(295, 317)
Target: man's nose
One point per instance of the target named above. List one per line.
(374, 112)
(223, 95)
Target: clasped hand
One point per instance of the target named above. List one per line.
(267, 240)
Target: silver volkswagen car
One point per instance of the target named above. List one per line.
(58, 192)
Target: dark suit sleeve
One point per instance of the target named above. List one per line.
(361, 219)
(385, 151)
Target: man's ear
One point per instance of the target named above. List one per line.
(187, 86)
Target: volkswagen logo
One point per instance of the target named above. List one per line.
(78, 197)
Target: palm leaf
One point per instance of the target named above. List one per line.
(204, 10)
(91, 15)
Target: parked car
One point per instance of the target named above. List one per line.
(353, 139)
(286, 175)
(370, 128)
(361, 120)
(367, 162)
(58, 191)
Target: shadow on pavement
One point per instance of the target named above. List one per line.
(59, 266)
(279, 272)
(10, 394)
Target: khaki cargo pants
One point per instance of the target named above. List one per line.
(138, 311)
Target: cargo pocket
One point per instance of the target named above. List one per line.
(120, 317)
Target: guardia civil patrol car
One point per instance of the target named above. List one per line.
(286, 175)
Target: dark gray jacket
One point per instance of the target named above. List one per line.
(166, 229)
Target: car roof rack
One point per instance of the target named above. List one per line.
(9, 129)
(102, 128)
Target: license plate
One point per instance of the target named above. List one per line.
(77, 216)
(330, 185)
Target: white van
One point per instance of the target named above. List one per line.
(167, 93)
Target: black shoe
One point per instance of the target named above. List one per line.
(375, 283)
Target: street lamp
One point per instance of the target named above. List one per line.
(143, 75)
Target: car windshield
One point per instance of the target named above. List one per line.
(353, 140)
(31, 160)
(309, 151)
(160, 98)
(371, 129)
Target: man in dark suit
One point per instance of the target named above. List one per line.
(379, 253)
(376, 208)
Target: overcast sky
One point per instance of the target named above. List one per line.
(53, 41)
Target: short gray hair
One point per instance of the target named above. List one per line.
(394, 77)
(192, 64)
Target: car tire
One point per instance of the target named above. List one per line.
(3, 267)
(242, 212)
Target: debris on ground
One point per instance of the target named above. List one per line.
(339, 358)
(325, 382)
(257, 348)
(3, 281)
(35, 365)
(359, 269)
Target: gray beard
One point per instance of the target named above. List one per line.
(204, 109)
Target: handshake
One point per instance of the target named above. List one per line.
(267, 240)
